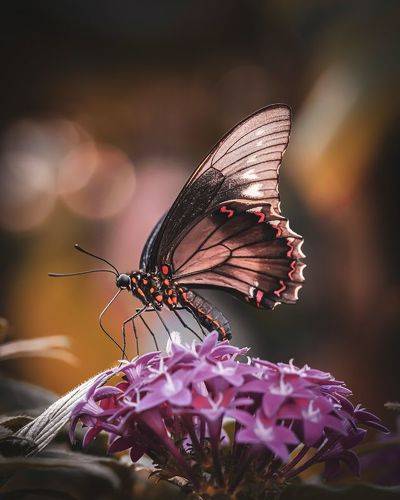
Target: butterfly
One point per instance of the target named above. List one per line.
(224, 231)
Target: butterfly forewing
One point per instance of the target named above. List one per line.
(243, 165)
(225, 229)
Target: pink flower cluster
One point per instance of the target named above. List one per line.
(209, 403)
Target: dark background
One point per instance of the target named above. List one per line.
(108, 106)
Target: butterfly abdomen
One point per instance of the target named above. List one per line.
(208, 316)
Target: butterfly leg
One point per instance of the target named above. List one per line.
(136, 337)
(102, 326)
(164, 323)
(185, 325)
(131, 318)
(197, 321)
(151, 332)
(124, 356)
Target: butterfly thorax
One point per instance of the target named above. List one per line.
(156, 288)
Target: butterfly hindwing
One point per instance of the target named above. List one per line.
(249, 251)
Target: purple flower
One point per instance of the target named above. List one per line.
(265, 432)
(209, 413)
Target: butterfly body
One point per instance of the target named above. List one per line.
(159, 290)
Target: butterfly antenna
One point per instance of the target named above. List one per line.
(64, 275)
(80, 249)
(102, 326)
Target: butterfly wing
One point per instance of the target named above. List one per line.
(249, 251)
(148, 248)
(244, 165)
(225, 230)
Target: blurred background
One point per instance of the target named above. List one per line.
(107, 107)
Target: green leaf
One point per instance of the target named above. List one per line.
(54, 346)
(15, 422)
(43, 429)
(395, 405)
(17, 396)
(4, 432)
(68, 475)
(351, 492)
(9, 444)
(3, 328)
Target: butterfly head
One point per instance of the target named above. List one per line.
(123, 281)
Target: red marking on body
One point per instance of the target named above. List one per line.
(261, 216)
(259, 297)
(159, 298)
(166, 282)
(281, 289)
(228, 211)
(165, 269)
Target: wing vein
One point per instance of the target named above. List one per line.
(230, 150)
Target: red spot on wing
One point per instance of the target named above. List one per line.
(281, 289)
(259, 297)
(289, 253)
(226, 210)
(293, 269)
(277, 226)
(165, 269)
(261, 216)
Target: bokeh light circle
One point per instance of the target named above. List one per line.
(107, 180)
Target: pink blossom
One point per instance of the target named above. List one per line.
(174, 408)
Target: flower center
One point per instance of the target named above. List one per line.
(169, 388)
(265, 434)
(312, 414)
(221, 370)
(283, 389)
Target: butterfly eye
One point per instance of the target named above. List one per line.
(123, 281)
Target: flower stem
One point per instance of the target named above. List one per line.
(300, 455)
(193, 436)
(314, 459)
(241, 470)
(217, 462)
